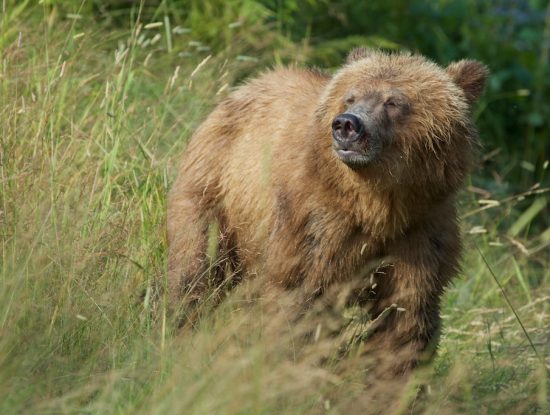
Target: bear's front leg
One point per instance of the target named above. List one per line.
(409, 295)
(188, 262)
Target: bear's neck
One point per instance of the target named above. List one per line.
(382, 207)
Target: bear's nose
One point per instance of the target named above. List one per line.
(347, 128)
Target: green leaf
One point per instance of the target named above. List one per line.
(527, 216)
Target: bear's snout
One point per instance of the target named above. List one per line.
(347, 128)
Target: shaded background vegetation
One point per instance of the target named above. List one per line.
(511, 36)
(97, 100)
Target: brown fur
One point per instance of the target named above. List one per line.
(262, 167)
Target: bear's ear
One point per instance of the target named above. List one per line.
(357, 54)
(470, 76)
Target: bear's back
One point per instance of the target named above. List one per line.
(274, 114)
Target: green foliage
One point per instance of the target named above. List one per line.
(97, 100)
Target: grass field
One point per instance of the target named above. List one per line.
(92, 122)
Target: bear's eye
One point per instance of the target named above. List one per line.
(350, 100)
(390, 103)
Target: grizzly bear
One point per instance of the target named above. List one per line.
(307, 178)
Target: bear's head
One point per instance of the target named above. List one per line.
(403, 115)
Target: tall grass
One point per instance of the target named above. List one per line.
(92, 121)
